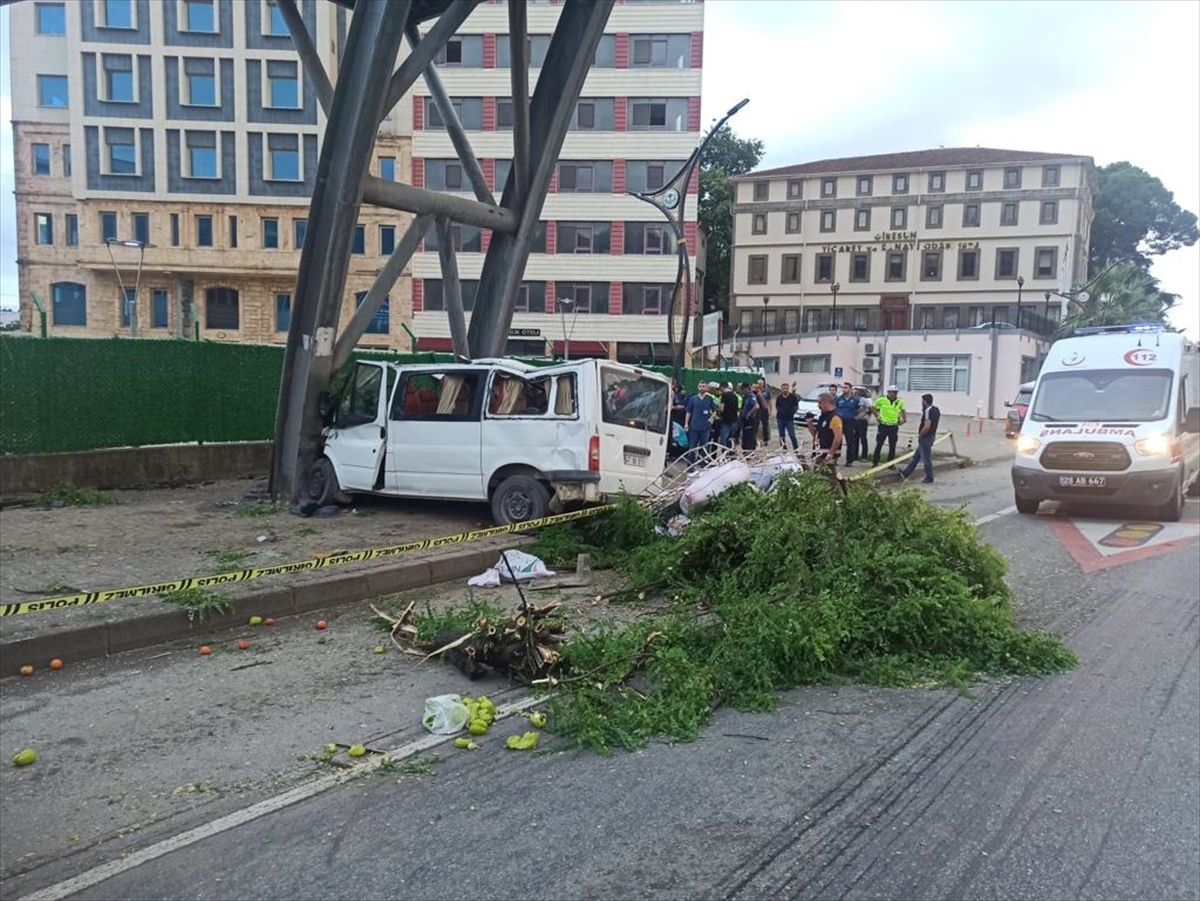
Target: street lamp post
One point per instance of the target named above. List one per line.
(833, 289)
(564, 304)
(670, 200)
(1020, 285)
(141, 248)
(1046, 308)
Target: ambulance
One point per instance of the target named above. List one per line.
(1114, 421)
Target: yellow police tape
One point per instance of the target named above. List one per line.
(898, 460)
(320, 562)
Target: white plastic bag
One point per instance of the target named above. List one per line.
(489, 578)
(524, 566)
(711, 482)
(445, 714)
(764, 476)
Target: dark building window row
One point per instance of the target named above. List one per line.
(591, 114)
(897, 217)
(573, 176)
(637, 298)
(197, 20)
(862, 266)
(640, 51)
(901, 182)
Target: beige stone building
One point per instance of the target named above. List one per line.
(909, 268)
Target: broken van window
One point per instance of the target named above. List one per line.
(436, 394)
(639, 403)
(564, 396)
(514, 396)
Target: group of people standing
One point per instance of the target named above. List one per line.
(741, 415)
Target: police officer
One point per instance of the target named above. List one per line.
(889, 411)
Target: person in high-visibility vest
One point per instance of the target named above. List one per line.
(889, 411)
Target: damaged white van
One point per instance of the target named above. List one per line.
(529, 440)
(1114, 420)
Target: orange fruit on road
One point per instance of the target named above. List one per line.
(243, 644)
(322, 625)
(268, 621)
(56, 664)
(205, 650)
(27, 670)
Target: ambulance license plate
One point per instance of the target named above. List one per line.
(1081, 481)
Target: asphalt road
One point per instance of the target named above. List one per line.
(1085, 785)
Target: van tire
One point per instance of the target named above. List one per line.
(1172, 510)
(321, 484)
(519, 499)
(1028, 507)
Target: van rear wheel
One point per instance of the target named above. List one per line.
(1027, 506)
(519, 499)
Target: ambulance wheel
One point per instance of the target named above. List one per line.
(321, 484)
(519, 499)
(1172, 510)
(1027, 506)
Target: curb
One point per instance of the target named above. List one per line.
(87, 641)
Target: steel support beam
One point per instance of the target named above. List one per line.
(572, 50)
(309, 58)
(391, 270)
(421, 58)
(398, 196)
(376, 31)
(518, 43)
(452, 290)
(454, 127)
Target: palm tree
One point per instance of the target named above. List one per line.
(1121, 294)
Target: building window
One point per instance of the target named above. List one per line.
(648, 175)
(795, 189)
(828, 220)
(118, 78)
(829, 187)
(1006, 262)
(108, 226)
(201, 78)
(44, 228)
(860, 267)
(270, 234)
(1008, 213)
(299, 230)
(897, 266)
(451, 53)
(769, 365)
(793, 223)
(935, 374)
(968, 265)
(974, 179)
(899, 184)
(72, 223)
(645, 300)
(762, 190)
(656, 114)
(359, 245)
(931, 266)
(641, 237)
(791, 269)
(862, 220)
(204, 231)
(122, 151)
(791, 322)
(970, 215)
(221, 309)
(387, 239)
(1051, 176)
(283, 312)
(1012, 178)
(809, 362)
(659, 50)
(284, 152)
(445, 175)
(468, 109)
(387, 168)
(199, 15)
(202, 154)
(758, 270)
(174, 229)
(866, 184)
(159, 304)
(585, 115)
(51, 18)
(1045, 262)
(283, 84)
(41, 159)
(531, 298)
(66, 160)
(52, 91)
(118, 13)
(536, 46)
(933, 216)
(68, 302)
(585, 177)
(899, 217)
(468, 238)
(141, 227)
(937, 182)
(824, 268)
(275, 24)
(233, 231)
(1048, 214)
(583, 237)
(950, 317)
(379, 324)
(758, 224)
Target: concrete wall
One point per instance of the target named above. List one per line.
(135, 467)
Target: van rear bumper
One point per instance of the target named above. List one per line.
(1155, 487)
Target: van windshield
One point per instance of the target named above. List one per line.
(637, 402)
(1103, 395)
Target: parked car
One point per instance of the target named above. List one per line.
(1015, 418)
(808, 403)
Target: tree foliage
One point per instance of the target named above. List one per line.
(725, 157)
(1121, 294)
(1136, 218)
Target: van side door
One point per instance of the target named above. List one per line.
(434, 435)
(356, 439)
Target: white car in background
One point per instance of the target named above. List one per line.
(808, 403)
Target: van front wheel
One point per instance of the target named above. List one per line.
(519, 499)
(1172, 510)
(321, 484)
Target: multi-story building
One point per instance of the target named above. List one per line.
(908, 268)
(189, 127)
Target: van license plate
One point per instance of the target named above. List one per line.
(635, 460)
(1081, 481)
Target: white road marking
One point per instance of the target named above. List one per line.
(991, 517)
(96, 875)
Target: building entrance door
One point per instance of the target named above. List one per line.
(894, 312)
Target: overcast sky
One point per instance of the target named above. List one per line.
(1111, 80)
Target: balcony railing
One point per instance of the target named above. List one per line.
(794, 323)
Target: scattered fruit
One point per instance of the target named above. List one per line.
(357, 751)
(322, 625)
(465, 744)
(379, 649)
(526, 742)
(331, 749)
(243, 645)
(27, 670)
(24, 758)
(256, 620)
(205, 650)
(478, 727)
(56, 664)
(537, 719)
(268, 621)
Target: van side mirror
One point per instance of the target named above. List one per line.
(1008, 403)
(1191, 422)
